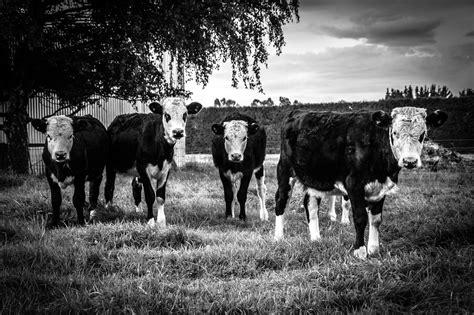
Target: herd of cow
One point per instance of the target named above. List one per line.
(356, 154)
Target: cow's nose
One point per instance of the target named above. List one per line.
(410, 162)
(178, 133)
(236, 157)
(60, 156)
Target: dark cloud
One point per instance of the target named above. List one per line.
(389, 31)
(470, 34)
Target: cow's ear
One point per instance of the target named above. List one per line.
(218, 129)
(156, 108)
(381, 119)
(253, 128)
(79, 125)
(436, 119)
(194, 108)
(39, 124)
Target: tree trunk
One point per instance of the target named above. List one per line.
(15, 123)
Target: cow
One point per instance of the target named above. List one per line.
(142, 145)
(238, 151)
(75, 151)
(358, 154)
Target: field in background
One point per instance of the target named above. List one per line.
(204, 263)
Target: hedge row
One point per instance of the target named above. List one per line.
(459, 126)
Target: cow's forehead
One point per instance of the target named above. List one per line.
(409, 113)
(174, 106)
(59, 125)
(235, 128)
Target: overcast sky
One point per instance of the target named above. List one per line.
(353, 50)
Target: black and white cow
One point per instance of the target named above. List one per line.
(142, 145)
(75, 151)
(238, 151)
(355, 154)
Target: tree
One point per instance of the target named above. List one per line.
(217, 103)
(284, 101)
(113, 48)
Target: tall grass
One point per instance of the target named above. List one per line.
(204, 263)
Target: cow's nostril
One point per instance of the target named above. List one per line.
(236, 157)
(60, 156)
(410, 162)
(178, 134)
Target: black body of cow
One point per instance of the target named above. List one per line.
(254, 156)
(137, 140)
(87, 160)
(322, 148)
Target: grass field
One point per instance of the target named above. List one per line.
(204, 263)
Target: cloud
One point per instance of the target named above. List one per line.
(389, 31)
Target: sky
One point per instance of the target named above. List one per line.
(354, 50)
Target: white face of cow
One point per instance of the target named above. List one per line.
(60, 137)
(408, 131)
(174, 115)
(235, 134)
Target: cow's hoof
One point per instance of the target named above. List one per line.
(93, 216)
(372, 250)
(361, 252)
(138, 209)
(109, 205)
(333, 217)
(151, 222)
(315, 238)
(161, 224)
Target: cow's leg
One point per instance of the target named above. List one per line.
(345, 205)
(109, 185)
(374, 213)
(311, 204)
(242, 194)
(292, 186)
(228, 194)
(149, 199)
(137, 193)
(94, 186)
(55, 199)
(261, 193)
(160, 201)
(281, 196)
(332, 208)
(359, 215)
(79, 198)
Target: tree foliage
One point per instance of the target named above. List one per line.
(113, 48)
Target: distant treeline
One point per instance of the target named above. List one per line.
(457, 132)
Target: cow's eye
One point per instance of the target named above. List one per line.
(226, 138)
(422, 137)
(167, 117)
(395, 134)
(48, 137)
(245, 138)
(185, 116)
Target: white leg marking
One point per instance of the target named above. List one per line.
(261, 192)
(313, 223)
(332, 208)
(139, 208)
(361, 252)
(151, 222)
(279, 222)
(374, 224)
(292, 185)
(345, 211)
(93, 215)
(160, 217)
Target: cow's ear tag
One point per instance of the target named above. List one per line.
(39, 124)
(156, 108)
(436, 119)
(381, 119)
(218, 129)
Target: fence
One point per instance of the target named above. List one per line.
(105, 111)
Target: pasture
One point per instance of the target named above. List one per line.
(204, 263)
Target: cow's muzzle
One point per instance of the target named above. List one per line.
(235, 157)
(410, 162)
(178, 134)
(60, 156)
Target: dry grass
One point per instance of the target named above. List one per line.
(204, 263)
